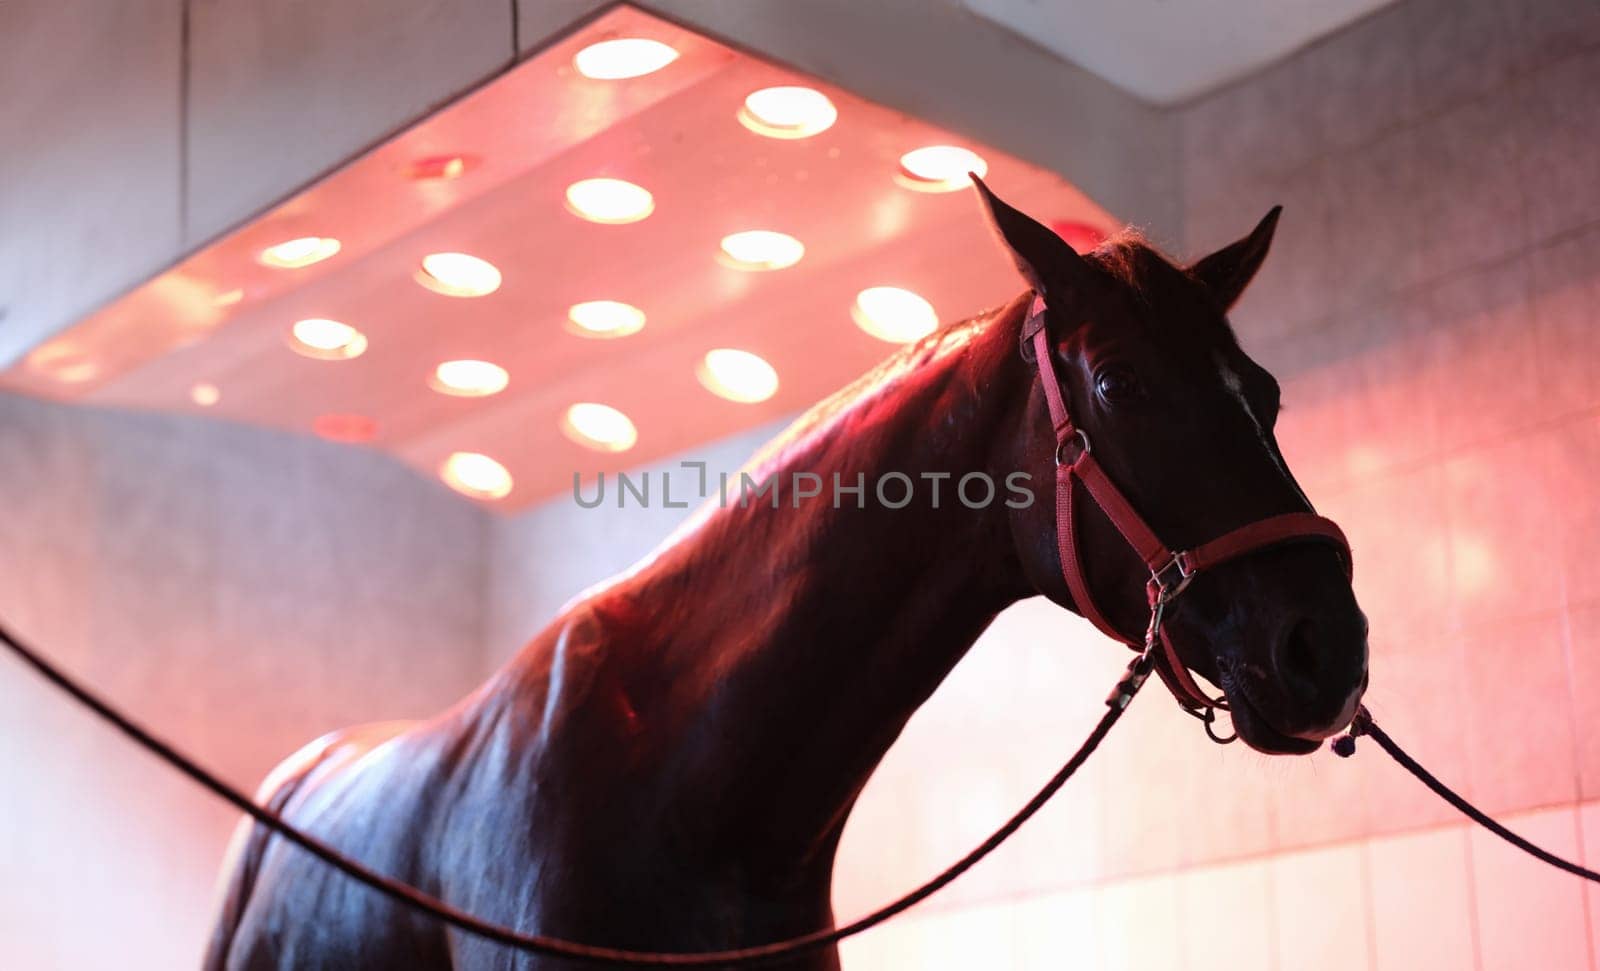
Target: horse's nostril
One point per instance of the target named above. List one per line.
(1298, 662)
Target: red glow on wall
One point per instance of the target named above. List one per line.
(347, 429)
(443, 167)
(1080, 236)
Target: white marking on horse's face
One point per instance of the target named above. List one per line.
(1235, 386)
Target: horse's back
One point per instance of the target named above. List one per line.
(549, 801)
(440, 805)
(281, 792)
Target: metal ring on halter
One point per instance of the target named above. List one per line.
(1083, 443)
(1208, 717)
(1211, 732)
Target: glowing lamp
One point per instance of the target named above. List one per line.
(894, 315)
(622, 58)
(469, 379)
(610, 201)
(599, 427)
(326, 340)
(604, 319)
(760, 249)
(476, 475)
(737, 375)
(940, 168)
(295, 253)
(64, 362)
(788, 111)
(458, 275)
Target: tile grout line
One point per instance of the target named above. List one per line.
(1094, 885)
(1433, 459)
(1274, 933)
(516, 29)
(1570, 661)
(1471, 876)
(1369, 904)
(1377, 299)
(1591, 932)
(1276, 176)
(184, 40)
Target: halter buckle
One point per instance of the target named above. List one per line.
(1163, 592)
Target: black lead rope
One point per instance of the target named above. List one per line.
(1345, 746)
(409, 896)
(1138, 671)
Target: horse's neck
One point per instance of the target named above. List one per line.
(822, 628)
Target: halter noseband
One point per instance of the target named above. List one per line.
(1170, 572)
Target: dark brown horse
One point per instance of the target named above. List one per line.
(669, 765)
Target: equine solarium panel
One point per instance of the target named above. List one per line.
(240, 329)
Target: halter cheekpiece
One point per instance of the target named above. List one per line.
(1170, 571)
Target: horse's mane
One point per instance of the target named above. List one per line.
(820, 425)
(1127, 258)
(823, 419)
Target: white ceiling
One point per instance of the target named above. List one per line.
(1167, 51)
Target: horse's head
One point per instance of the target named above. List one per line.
(1182, 421)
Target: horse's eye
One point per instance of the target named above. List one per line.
(1117, 384)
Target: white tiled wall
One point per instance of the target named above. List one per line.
(90, 157)
(240, 592)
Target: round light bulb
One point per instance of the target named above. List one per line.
(760, 249)
(622, 58)
(610, 201)
(940, 168)
(326, 340)
(788, 111)
(294, 253)
(64, 362)
(476, 475)
(469, 379)
(599, 427)
(893, 314)
(737, 375)
(604, 319)
(458, 275)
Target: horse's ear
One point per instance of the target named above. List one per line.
(1229, 270)
(1044, 259)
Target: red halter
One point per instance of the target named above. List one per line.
(1169, 572)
